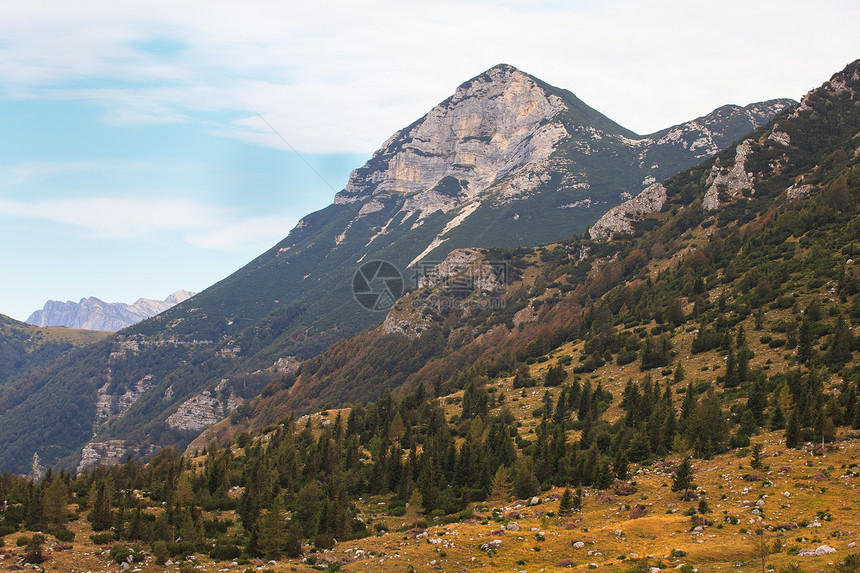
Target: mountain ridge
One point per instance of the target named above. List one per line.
(92, 313)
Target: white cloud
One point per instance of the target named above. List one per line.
(118, 218)
(343, 76)
(199, 225)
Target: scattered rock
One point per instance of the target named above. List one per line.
(823, 550)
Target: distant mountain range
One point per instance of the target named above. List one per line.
(94, 314)
(506, 161)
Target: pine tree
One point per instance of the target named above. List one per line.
(680, 373)
(683, 479)
(271, 530)
(688, 406)
(500, 490)
(777, 421)
(757, 401)
(755, 463)
(792, 430)
(578, 500)
(565, 504)
(839, 349)
(525, 483)
(804, 342)
(604, 477)
(620, 466)
(743, 369)
(135, 528)
(730, 380)
(55, 503)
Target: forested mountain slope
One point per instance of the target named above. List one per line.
(506, 161)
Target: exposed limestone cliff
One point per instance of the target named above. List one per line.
(109, 452)
(620, 218)
(796, 191)
(203, 410)
(730, 181)
(491, 126)
(506, 137)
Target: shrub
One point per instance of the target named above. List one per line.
(121, 553)
(323, 541)
(33, 551)
(626, 357)
(102, 538)
(63, 535)
(159, 549)
(225, 552)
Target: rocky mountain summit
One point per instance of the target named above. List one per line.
(94, 314)
(505, 141)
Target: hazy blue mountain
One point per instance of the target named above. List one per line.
(94, 314)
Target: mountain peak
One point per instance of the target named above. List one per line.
(492, 125)
(500, 73)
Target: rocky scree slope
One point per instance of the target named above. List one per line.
(506, 161)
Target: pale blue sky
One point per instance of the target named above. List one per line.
(132, 161)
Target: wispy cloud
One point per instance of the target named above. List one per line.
(118, 218)
(197, 224)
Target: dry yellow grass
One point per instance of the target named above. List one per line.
(821, 501)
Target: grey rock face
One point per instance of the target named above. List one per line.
(95, 314)
(620, 218)
(491, 126)
(732, 181)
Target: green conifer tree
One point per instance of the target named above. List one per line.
(683, 479)
(792, 430)
(565, 504)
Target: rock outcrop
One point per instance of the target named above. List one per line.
(108, 453)
(620, 218)
(95, 314)
(203, 410)
(732, 181)
(463, 278)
